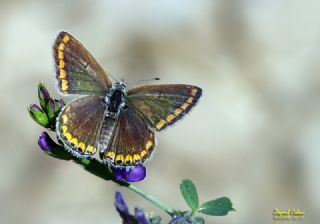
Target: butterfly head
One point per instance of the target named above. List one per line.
(119, 86)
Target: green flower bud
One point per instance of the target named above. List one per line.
(43, 96)
(52, 110)
(38, 115)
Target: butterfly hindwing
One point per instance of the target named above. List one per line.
(163, 105)
(76, 70)
(132, 141)
(79, 125)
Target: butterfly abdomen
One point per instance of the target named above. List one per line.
(106, 133)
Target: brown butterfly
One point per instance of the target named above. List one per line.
(118, 123)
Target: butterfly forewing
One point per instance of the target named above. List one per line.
(132, 141)
(163, 105)
(79, 125)
(76, 70)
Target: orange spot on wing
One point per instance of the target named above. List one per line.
(160, 124)
(64, 118)
(91, 149)
(184, 106)
(64, 129)
(66, 38)
(74, 141)
(170, 117)
(61, 46)
(110, 155)
(143, 153)
(60, 55)
(194, 91)
(81, 147)
(62, 74)
(119, 158)
(128, 159)
(64, 85)
(178, 111)
(136, 158)
(189, 100)
(61, 63)
(68, 136)
(149, 145)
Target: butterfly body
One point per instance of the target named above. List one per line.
(120, 124)
(115, 99)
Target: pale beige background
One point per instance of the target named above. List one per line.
(254, 136)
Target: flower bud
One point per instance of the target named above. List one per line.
(38, 115)
(52, 110)
(136, 174)
(60, 103)
(139, 216)
(46, 143)
(132, 174)
(43, 96)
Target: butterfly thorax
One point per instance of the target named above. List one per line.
(115, 99)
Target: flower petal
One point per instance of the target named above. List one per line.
(140, 216)
(59, 104)
(123, 210)
(121, 206)
(119, 173)
(36, 107)
(46, 143)
(136, 173)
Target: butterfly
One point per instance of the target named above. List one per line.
(118, 123)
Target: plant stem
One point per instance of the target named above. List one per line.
(151, 199)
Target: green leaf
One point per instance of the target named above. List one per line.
(190, 194)
(218, 207)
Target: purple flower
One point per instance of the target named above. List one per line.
(131, 174)
(185, 217)
(179, 220)
(46, 143)
(138, 217)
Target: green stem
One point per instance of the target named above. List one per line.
(151, 199)
(97, 168)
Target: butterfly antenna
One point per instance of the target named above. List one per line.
(116, 80)
(142, 80)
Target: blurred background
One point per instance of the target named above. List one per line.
(254, 136)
